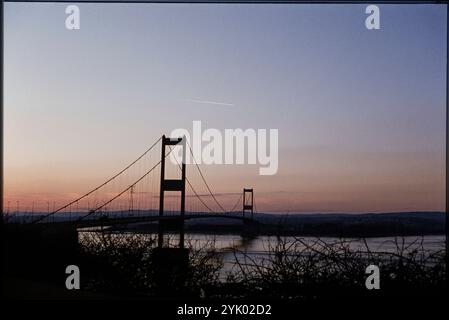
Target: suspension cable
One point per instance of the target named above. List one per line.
(191, 186)
(204, 180)
(100, 186)
(235, 206)
(118, 195)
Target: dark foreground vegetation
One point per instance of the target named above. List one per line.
(298, 269)
(117, 265)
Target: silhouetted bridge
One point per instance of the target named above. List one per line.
(139, 187)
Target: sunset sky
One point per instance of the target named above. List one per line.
(360, 113)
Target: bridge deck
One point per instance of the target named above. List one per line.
(111, 221)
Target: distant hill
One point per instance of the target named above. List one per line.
(338, 224)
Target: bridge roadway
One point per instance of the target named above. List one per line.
(112, 221)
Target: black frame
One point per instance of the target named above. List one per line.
(242, 2)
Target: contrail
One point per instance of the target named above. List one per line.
(217, 103)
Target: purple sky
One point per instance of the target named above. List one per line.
(361, 113)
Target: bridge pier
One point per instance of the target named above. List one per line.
(171, 225)
(170, 269)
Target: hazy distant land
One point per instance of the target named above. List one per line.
(338, 225)
(311, 224)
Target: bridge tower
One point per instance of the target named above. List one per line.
(172, 185)
(248, 201)
(171, 264)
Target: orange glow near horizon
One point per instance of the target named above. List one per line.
(361, 114)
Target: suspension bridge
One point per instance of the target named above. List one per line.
(150, 188)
